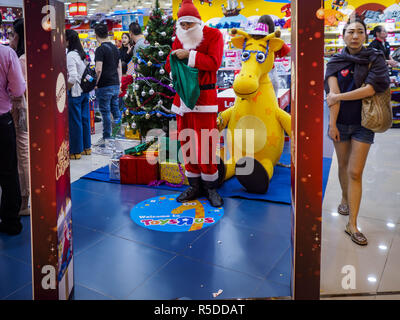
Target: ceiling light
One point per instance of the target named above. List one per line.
(334, 214)
(382, 247)
(371, 279)
(390, 224)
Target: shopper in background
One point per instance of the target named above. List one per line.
(346, 73)
(135, 31)
(125, 82)
(381, 44)
(19, 113)
(284, 51)
(12, 84)
(78, 101)
(126, 49)
(109, 73)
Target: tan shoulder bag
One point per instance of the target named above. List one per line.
(376, 113)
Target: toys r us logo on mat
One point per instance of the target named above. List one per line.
(164, 213)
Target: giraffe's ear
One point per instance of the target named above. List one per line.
(238, 41)
(276, 44)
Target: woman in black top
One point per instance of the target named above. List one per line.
(125, 52)
(345, 74)
(381, 44)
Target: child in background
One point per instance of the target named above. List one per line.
(125, 82)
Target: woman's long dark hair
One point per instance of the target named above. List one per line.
(126, 34)
(18, 26)
(74, 43)
(376, 30)
(354, 20)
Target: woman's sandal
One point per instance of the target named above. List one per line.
(87, 152)
(75, 156)
(356, 237)
(343, 209)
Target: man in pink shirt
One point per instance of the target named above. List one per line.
(12, 84)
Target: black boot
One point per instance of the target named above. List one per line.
(210, 188)
(191, 193)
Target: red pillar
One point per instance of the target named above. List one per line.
(51, 224)
(307, 148)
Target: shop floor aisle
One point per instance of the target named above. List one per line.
(246, 254)
(376, 265)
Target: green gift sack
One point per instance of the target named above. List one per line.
(185, 80)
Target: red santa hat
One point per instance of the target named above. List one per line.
(188, 12)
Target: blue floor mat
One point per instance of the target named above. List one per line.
(279, 189)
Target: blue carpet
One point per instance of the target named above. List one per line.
(278, 191)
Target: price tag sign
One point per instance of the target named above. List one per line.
(390, 25)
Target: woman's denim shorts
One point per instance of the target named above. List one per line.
(356, 132)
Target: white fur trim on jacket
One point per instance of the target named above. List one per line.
(192, 58)
(184, 109)
(189, 19)
(192, 175)
(209, 177)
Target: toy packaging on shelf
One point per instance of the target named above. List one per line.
(225, 78)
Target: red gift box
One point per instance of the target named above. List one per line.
(137, 169)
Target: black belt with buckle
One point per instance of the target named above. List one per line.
(207, 86)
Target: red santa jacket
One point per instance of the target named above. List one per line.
(207, 58)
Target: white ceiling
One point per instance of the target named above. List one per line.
(108, 6)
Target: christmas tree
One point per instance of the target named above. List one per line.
(149, 99)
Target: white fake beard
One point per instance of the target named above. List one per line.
(190, 38)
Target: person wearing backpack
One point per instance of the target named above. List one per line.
(78, 100)
(109, 74)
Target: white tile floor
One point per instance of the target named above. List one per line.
(377, 265)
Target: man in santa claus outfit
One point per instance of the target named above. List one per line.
(202, 47)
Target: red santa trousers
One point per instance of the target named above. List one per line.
(198, 135)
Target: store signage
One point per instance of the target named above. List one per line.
(164, 213)
(78, 9)
(390, 25)
(51, 221)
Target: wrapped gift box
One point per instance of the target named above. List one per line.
(137, 169)
(169, 171)
(130, 134)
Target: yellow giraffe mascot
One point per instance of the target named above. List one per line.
(256, 108)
